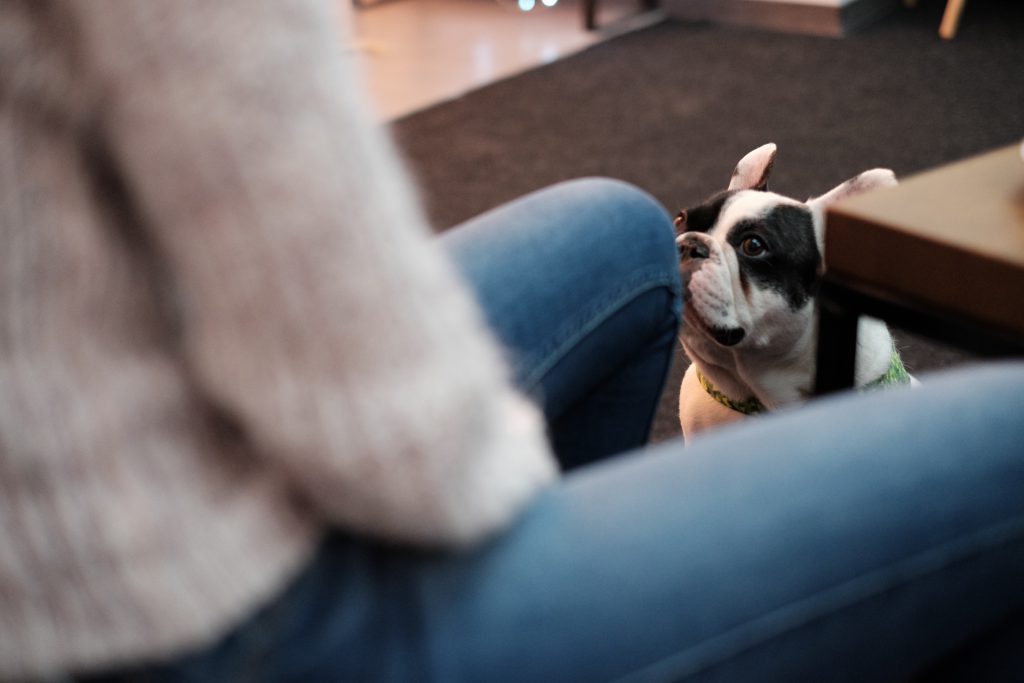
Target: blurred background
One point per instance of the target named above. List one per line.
(421, 52)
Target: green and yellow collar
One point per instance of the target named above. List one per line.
(751, 406)
(895, 374)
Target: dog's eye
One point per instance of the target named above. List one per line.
(753, 246)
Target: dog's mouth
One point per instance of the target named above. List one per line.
(724, 336)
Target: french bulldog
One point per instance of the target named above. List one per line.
(751, 261)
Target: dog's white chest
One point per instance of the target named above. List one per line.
(698, 411)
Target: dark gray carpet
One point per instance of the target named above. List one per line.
(673, 107)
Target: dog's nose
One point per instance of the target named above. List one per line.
(692, 248)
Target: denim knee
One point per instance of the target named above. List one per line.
(628, 215)
(632, 226)
(552, 266)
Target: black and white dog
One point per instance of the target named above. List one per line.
(750, 261)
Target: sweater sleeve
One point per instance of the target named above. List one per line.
(314, 308)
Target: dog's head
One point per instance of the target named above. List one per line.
(751, 261)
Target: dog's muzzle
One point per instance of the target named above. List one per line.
(692, 248)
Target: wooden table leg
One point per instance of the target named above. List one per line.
(951, 18)
(837, 345)
(590, 14)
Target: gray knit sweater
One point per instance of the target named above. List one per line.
(223, 327)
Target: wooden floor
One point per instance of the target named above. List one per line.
(421, 52)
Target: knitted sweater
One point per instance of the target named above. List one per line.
(223, 327)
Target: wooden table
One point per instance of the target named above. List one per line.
(941, 254)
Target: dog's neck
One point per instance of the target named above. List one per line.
(778, 381)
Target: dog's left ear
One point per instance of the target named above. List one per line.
(868, 180)
(680, 222)
(752, 171)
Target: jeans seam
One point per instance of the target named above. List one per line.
(594, 316)
(827, 602)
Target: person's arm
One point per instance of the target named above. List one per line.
(316, 311)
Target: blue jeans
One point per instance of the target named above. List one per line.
(862, 538)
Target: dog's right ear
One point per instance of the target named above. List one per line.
(752, 171)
